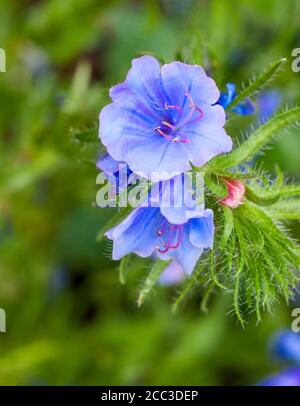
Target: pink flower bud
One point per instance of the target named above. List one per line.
(236, 191)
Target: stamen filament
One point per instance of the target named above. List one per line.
(175, 232)
(166, 136)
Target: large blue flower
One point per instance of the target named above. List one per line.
(147, 232)
(163, 118)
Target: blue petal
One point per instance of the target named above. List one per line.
(175, 198)
(137, 233)
(202, 230)
(226, 98)
(178, 77)
(208, 137)
(108, 164)
(187, 254)
(143, 82)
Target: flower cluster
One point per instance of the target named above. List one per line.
(164, 125)
(162, 121)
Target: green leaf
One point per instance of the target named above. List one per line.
(285, 210)
(122, 269)
(86, 136)
(269, 196)
(228, 225)
(255, 85)
(151, 280)
(257, 141)
(206, 297)
(189, 284)
(216, 186)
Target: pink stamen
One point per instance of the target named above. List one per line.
(180, 139)
(162, 133)
(174, 135)
(170, 244)
(194, 108)
(178, 239)
(168, 106)
(168, 124)
(161, 231)
(163, 251)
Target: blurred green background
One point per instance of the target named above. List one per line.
(69, 320)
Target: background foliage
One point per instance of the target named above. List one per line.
(69, 319)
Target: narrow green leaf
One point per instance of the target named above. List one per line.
(236, 301)
(271, 195)
(206, 296)
(190, 283)
(214, 184)
(255, 143)
(212, 268)
(258, 84)
(228, 225)
(122, 269)
(285, 210)
(151, 280)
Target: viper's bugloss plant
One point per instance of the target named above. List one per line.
(170, 120)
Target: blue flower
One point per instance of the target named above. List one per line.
(164, 118)
(244, 108)
(147, 232)
(286, 345)
(268, 103)
(289, 377)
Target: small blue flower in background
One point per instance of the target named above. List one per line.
(174, 231)
(286, 346)
(268, 103)
(163, 118)
(59, 280)
(244, 108)
(172, 275)
(289, 377)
